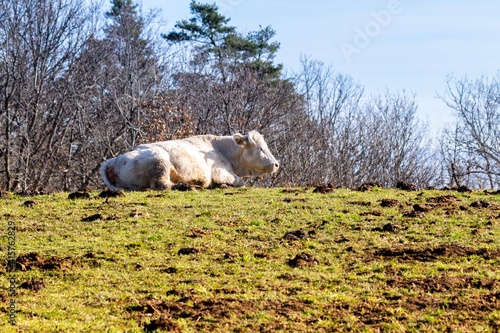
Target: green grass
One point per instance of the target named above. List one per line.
(377, 268)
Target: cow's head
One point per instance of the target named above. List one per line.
(256, 158)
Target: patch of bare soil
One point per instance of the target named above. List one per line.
(226, 314)
(342, 239)
(318, 226)
(163, 323)
(188, 250)
(78, 195)
(389, 203)
(406, 186)
(31, 260)
(295, 191)
(375, 212)
(471, 298)
(4, 297)
(414, 213)
(459, 189)
(33, 284)
(303, 260)
(295, 235)
(368, 186)
(111, 194)
(169, 270)
(431, 254)
(228, 257)
(482, 204)
(196, 233)
(92, 218)
(472, 309)
(388, 227)
(29, 203)
(94, 259)
(288, 200)
(32, 193)
(138, 214)
(367, 313)
(323, 188)
(261, 255)
(442, 283)
(360, 203)
(443, 200)
(463, 189)
(486, 192)
(422, 208)
(208, 313)
(183, 187)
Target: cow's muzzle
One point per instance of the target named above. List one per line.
(274, 167)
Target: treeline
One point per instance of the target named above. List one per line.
(80, 84)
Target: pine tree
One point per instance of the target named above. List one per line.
(131, 60)
(215, 40)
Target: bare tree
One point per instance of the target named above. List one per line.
(472, 150)
(395, 146)
(78, 86)
(356, 139)
(114, 78)
(331, 101)
(72, 90)
(39, 40)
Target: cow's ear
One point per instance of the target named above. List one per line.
(250, 139)
(239, 139)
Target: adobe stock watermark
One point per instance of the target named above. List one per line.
(228, 5)
(11, 268)
(372, 29)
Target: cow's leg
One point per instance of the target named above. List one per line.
(188, 167)
(157, 174)
(222, 176)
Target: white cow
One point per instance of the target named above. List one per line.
(203, 160)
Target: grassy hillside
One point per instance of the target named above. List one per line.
(254, 259)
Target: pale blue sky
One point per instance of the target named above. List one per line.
(393, 44)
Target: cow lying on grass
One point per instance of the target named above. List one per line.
(203, 160)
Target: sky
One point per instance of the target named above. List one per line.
(394, 45)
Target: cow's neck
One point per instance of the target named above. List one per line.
(232, 152)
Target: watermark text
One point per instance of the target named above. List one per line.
(11, 268)
(228, 5)
(373, 28)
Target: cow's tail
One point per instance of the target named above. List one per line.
(109, 175)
